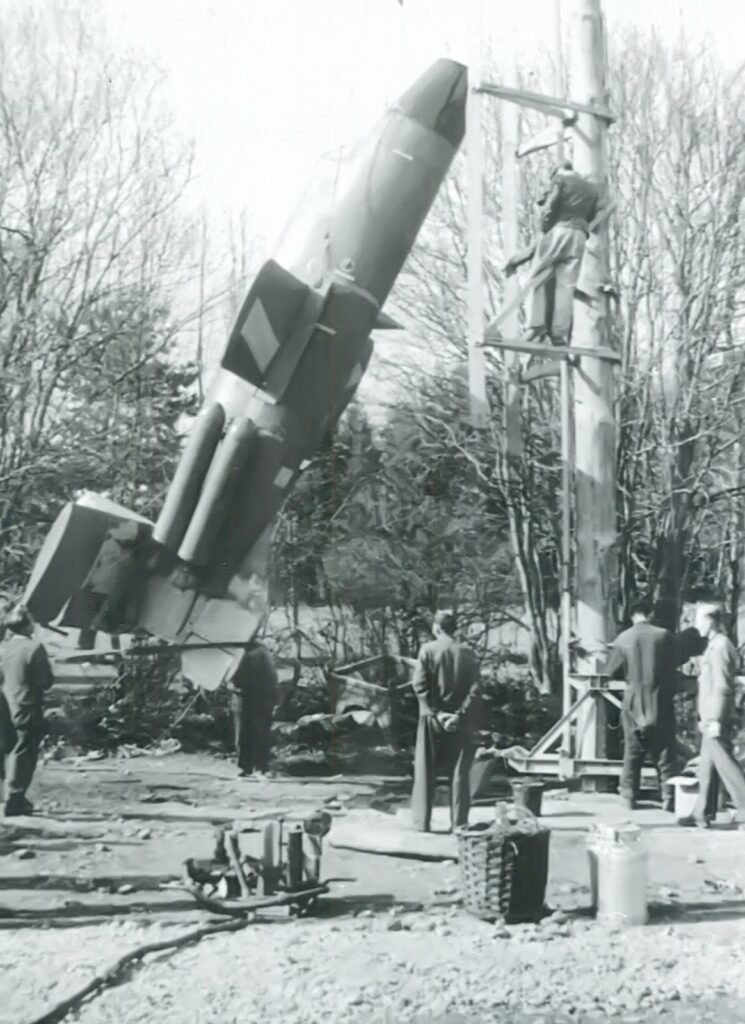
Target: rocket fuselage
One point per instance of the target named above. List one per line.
(293, 361)
(359, 246)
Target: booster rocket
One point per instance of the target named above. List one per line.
(294, 359)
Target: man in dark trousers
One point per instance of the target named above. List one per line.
(254, 696)
(647, 658)
(446, 682)
(27, 676)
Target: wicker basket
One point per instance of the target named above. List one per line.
(504, 875)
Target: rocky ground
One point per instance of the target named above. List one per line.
(89, 880)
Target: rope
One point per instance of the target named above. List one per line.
(111, 975)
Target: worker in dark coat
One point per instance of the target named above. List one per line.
(255, 687)
(647, 657)
(716, 712)
(569, 207)
(27, 675)
(446, 682)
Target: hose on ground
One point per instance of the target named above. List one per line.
(111, 975)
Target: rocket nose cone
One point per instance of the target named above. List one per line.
(438, 100)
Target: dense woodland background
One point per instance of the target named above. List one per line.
(104, 312)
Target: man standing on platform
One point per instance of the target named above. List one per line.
(570, 205)
(446, 682)
(716, 706)
(647, 658)
(255, 687)
(26, 677)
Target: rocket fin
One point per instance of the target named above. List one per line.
(383, 322)
(272, 330)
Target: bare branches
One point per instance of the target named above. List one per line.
(92, 247)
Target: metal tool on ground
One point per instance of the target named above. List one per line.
(287, 874)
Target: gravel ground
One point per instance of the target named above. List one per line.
(393, 967)
(388, 948)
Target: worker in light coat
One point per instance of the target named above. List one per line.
(716, 706)
(446, 682)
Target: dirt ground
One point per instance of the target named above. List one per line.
(88, 879)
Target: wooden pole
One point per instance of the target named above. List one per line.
(567, 447)
(567, 490)
(595, 431)
(510, 326)
(475, 262)
(559, 83)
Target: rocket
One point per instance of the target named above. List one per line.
(197, 577)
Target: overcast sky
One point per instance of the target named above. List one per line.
(265, 87)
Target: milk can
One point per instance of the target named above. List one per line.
(618, 873)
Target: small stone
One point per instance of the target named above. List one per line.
(102, 848)
(25, 854)
(364, 913)
(394, 925)
(144, 833)
(123, 890)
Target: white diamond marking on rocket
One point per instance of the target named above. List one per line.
(355, 376)
(283, 478)
(259, 335)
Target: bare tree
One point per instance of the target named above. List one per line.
(93, 246)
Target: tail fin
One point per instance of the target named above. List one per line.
(273, 327)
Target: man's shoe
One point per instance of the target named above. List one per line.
(693, 822)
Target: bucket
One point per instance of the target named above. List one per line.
(528, 795)
(686, 795)
(618, 874)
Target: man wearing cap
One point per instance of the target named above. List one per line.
(569, 207)
(27, 676)
(647, 658)
(446, 682)
(716, 706)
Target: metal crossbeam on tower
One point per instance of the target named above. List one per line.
(549, 105)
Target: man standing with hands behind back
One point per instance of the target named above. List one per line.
(446, 682)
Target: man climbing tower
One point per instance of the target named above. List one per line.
(569, 207)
